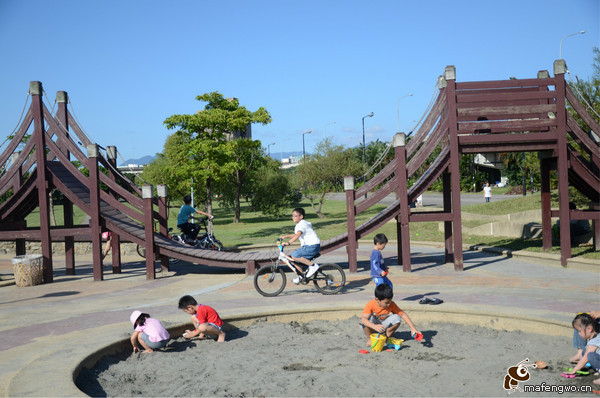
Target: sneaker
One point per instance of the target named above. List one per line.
(312, 270)
(296, 280)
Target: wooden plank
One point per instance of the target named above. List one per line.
(512, 96)
(502, 110)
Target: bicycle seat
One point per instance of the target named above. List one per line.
(317, 256)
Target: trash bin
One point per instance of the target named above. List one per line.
(28, 269)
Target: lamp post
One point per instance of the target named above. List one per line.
(269, 148)
(325, 129)
(408, 95)
(581, 32)
(364, 146)
(303, 151)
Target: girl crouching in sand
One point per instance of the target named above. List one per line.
(149, 332)
(588, 329)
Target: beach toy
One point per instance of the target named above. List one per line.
(567, 376)
(386, 272)
(579, 372)
(363, 351)
(540, 365)
(417, 336)
(378, 341)
(393, 343)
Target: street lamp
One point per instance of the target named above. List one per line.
(325, 129)
(364, 146)
(269, 148)
(409, 95)
(581, 32)
(303, 151)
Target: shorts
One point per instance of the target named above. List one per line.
(380, 280)
(387, 322)
(594, 360)
(154, 345)
(213, 325)
(308, 252)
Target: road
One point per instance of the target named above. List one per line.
(435, 199)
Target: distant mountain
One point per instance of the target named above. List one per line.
(274, 155)
(143, 160)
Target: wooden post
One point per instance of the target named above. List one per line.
(111, 157)
(161, 190)
(62, 99)
(595, 228)
(402, 226)
(148, 195)
(545, 158)
(39, 137)
(564, 214)
(448, 241)
(17, 181)
(450, 75)
(250, 267)
(351, 216)
(94, 186)
(545, 163)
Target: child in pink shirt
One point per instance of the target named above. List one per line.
(148, 332)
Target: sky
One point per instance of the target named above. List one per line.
(315, 65)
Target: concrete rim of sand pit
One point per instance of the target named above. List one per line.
(483, 319)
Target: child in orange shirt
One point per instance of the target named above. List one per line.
(382, 315)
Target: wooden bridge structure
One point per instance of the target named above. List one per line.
(471, 117)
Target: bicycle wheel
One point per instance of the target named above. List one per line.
(269, 280)
(329, 279)
(141, 250)
(210, 244)
(216, 245)
(175, 239)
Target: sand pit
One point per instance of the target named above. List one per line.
(321, 358)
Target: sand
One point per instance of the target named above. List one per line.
(321, 358)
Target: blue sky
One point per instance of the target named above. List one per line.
(128, 65)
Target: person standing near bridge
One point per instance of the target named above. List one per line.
(487, 192)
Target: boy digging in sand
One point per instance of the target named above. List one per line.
(205, 319)
(382, 315)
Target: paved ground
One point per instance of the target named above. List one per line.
(48, 331)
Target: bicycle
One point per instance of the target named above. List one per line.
(141, 250)
(270, 280)
(206, 241)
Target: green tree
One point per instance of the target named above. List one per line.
(588, 93)
(377, 155)
(324, 171)
(272, 190)
(203, 152)
(244, 156)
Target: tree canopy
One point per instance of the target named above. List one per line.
(202, 153)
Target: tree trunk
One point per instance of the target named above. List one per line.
(209, 203)
(321, 200)
(51, 206)
(238, 190)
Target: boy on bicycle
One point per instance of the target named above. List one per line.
(310, 244)
(185, 213)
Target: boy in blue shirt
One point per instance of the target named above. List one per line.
(378, 270)
(186, 211)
